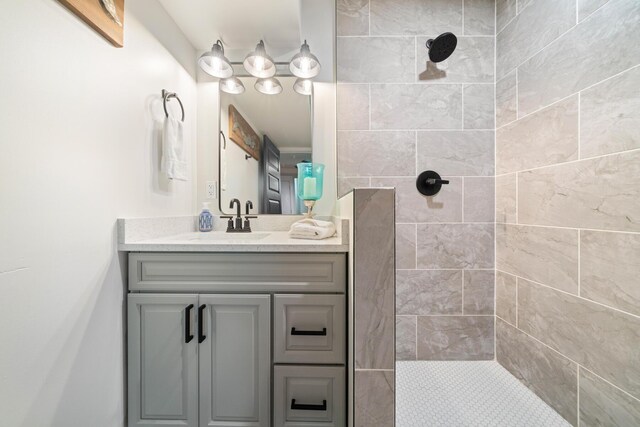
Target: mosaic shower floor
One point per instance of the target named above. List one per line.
(461, 394)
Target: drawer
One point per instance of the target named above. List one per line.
(237, 272)
(309, 329)
(309, 396)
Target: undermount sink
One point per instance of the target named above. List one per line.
(222, 236)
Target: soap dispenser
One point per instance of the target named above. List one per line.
(205, 222)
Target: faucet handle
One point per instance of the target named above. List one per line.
(230, 223)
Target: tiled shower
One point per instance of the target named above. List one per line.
(530, 256)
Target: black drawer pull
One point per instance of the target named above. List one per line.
(307, 407)
(322, 333)
(188, 336)
(201, 336)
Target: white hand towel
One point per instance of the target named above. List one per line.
(312, 229)
(173, 162)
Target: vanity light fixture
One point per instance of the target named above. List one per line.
(232, 85)
(215, 63)
(304, 64)
(303, 86)
(259, 64)
(269, 86)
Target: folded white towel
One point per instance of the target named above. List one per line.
(173, 162)
(312, 229)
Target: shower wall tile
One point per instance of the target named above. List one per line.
(599, 47)
(455, 337)
(479, 199)
(533, 28)
(353, 17)
(457, 153)
(478, 292)
(506, 293)
(609, 266)
(610, 116)
(405, 245)
(423, 292)
(506, 199)
(374, 400)
(376, 59)
(601, 404)
(506, 99)
(467, 246)
(415, 17)
(346, 184)
(479, 111)
(545, 255)
(411, 206)
(416, 106)
(587, 7)
(352, 107)
(365, 153)
(545, 372)
(601, 193)
(608, 346)
(505, 12)
(472, 62)
(547, 137)
(405, 337)
(479, 17)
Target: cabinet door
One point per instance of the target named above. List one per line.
(163, 360)
(235, 360)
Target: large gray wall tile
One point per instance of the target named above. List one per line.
(601, 404)
(545, 255)
(455, 338)
(405, 245)
(455, 246)
(375, 59)
(457, 153)
(505, 12)
(346, 184)
(374, 269)
(422, 292)
(374, 398)
(366, 153)
(479, 111)
(472, 62)
(506, 199)
(603, 340)
(610, 115)
(506, 99)
(479, 295)
(583, 56)
(479, 199)
(506, 293)
(587, 7)
(609, 267)
(393, 17)
(405, 337)
(601, 193)
(411, 206)
(416, 106)
(547, 137)
(479, 17)
(352, 108)
(549, 375)
(353, 17)
(535, 27)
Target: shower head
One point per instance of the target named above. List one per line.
(441, 47)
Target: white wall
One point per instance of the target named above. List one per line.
(78, 148)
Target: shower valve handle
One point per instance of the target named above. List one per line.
(429, 183)
(433, 181)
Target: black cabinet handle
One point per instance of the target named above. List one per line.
(307, 407)
(201, 336)
(188, 336)
(322, 333)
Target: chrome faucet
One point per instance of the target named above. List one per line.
(238, 227)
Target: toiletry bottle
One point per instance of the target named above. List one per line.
(205, 222)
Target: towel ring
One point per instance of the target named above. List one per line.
(168, 95)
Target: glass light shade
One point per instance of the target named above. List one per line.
(270, 86)
(303, 86)
(232, 85)
(310, 177)
(304, 64)
(259, 64)
(215, 63)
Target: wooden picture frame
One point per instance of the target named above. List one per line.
(243, 134)
(104, 16)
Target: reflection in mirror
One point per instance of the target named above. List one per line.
(264, 138)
